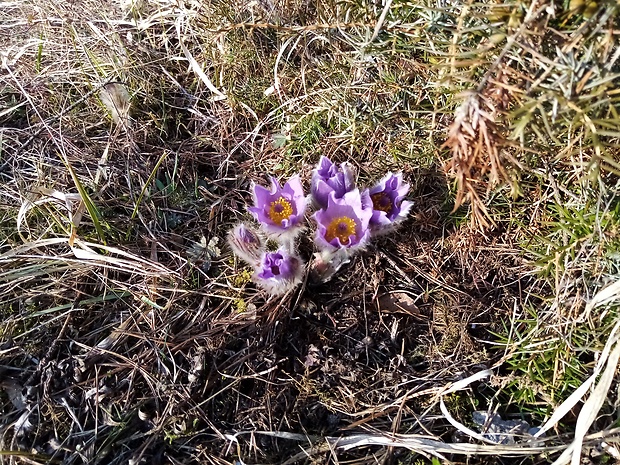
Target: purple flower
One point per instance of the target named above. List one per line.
(344, 223)
(329, 177)
(246, 243)
(388, 205)
(278, 272)
(281, 210)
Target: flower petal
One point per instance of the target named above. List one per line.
(347, 211)
(389, 206)
(280, 211)
(246, 243)
(261, 194)
(321, 191)
(278, 272)
(327, 177)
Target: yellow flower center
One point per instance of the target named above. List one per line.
(381, 201)
(341, 228)
(280, 210)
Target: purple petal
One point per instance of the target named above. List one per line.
(337, 183)
(295, 192)
(328, 177)
(389, 206)
(325, 168)
(350, 209)
(246, 243)
(278, 272)
(321, 191)
(290, 201)
(380, 218)
(402, 211)
(245, 234)
(259, 214)
(366, 200)
(261, 195)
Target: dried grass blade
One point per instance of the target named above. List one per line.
(197, 68)
(461, 427)
(433, 446)
(605, 295)
(463, 383)
(132, 262)
(576, 396)
(594, 403)
(50, 196)
(22, 249)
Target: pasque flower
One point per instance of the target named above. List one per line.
(329, 177)
(389, 206)
(281, 209)
(247, 243)
(345, 221)
(279, 272)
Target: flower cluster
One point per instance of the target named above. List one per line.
(280, 212)
(346, 219)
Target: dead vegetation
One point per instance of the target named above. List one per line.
(129, 137)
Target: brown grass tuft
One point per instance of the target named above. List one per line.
(475, 142)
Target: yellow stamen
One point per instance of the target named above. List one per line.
(381, 201)
(280, 210)
(342, 228)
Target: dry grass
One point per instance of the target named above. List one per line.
(129, 136)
